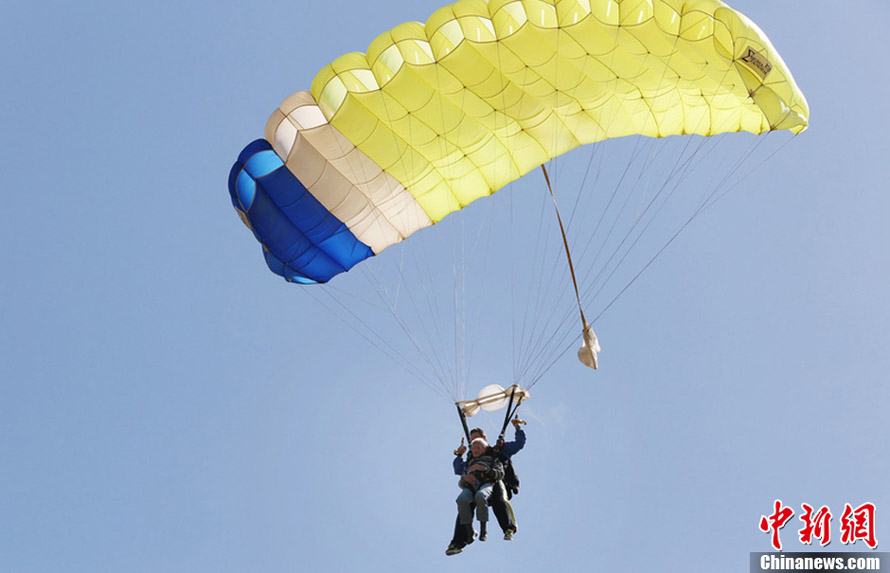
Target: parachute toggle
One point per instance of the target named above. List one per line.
(493, 397)
(589, 347)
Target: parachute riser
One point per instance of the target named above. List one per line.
(463, 421)
(507, 415)
(511, 411)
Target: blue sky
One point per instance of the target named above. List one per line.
(167, 404)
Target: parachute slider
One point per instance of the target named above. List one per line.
(589, 347)
(492, 397)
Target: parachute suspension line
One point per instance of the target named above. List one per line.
(651, 161)
(552, 339)
(535, 299)
(539, 306)
(637, 152)
(546, 304)
(611, 258)
(532, 295)
(594, 151)
(557, 345)
(458, 364)
(718, 191)
(546, 347)
(433, 312)
(458, 269)
(537, 293)
(713, 199)
(432, 309)
(439, 372)
(476, 317)
(590, 345)
(446, 371)
(558, 336)
(505, 126)
(558, 165)
(681, 166)
(710, 200)
(390, 304)
(452, 365)
(565, 243)
(512, 241)
(458, 372)
(380, 343)
(542, 302)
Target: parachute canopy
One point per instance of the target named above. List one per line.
(437, 115)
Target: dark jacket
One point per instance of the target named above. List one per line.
(490, 460)
(507, 451)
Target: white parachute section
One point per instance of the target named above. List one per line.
(493, 397)
(589, 348)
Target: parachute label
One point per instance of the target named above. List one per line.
(757, 62)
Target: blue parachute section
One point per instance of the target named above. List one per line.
(302, 241)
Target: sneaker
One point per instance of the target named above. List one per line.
(483, 536)
(508, 535)
(473, 537)
(453, 549)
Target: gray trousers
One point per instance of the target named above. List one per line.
(480, 497)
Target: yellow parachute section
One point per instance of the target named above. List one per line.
(486, 91)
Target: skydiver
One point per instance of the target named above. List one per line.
(463, 536)
(483, 469)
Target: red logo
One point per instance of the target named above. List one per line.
(859, 524)
(818, 525)
(775, 522)
(856, 524)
